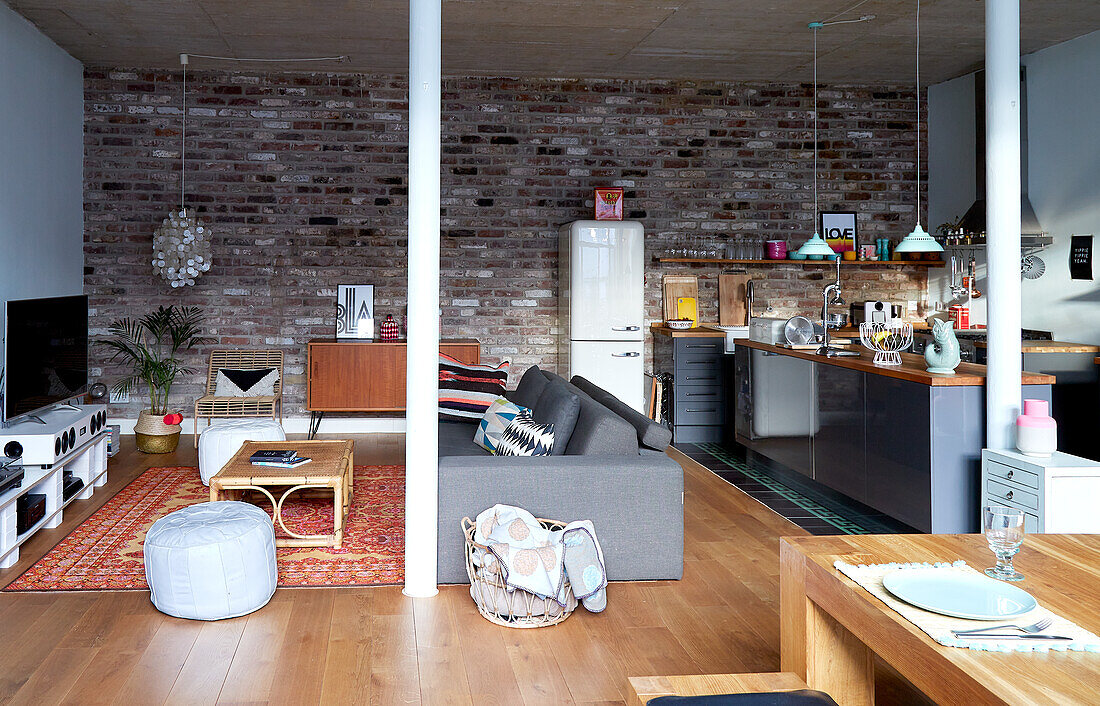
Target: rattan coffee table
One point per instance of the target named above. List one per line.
(332, 468)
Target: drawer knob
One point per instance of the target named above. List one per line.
(1008, 475)
(1008, 495)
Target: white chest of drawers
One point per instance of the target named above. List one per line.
(1059, 494)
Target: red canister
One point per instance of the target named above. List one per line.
(960, 315)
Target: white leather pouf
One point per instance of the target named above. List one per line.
(211, 561)
(219, 441)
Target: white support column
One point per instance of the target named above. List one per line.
(422, 382)
(1002, 174)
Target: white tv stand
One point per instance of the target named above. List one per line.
(87, 462)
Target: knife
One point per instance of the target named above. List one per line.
(1009, 636)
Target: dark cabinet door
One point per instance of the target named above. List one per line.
(779, 418)
(899, 448)
(839, 455)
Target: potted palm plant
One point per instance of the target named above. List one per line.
(150, 346)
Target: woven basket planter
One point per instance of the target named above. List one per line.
(153, 436)
(498, 605)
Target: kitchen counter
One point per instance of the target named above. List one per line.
(912, 368)
(700, 331)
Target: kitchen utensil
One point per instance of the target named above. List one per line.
(732, 299)
(687, 308)
(1037, 626)
(679, 324)
(971, 280)
(1004, 530)
(837, 320)
(1032, 267)
(676, 286)
(766, 329)
(960, 595)
(799, 330)
(886, 339)
(795, 255)
(1012, 636)
(849, 255)
(776, 249)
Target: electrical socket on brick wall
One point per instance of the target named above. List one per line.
(119, 397)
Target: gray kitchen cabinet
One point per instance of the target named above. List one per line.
(698, 408)
(839, 443)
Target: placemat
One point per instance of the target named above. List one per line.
(939, 627)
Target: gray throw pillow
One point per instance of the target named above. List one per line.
(560, 407)
(529, 388)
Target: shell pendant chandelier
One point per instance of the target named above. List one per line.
(181, 245)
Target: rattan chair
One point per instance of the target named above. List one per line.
(210, 407)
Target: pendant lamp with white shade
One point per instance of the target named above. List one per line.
(816, 245)
(918, 240)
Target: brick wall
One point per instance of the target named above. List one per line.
(303, 180)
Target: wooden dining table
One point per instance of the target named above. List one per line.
(831, 628)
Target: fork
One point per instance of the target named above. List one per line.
(1039, 626)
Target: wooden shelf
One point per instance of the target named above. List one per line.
(812, 263)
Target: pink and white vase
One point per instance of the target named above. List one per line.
(1036, 430)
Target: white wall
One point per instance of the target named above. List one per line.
(1063, 111)
(41, 164)
(951, 176)
(1063, 115)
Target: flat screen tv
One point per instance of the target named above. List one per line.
(45, 353)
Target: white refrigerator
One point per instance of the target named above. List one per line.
(601, 305)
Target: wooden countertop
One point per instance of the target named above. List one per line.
(700, 331)
(1025, 346)
(912, 367)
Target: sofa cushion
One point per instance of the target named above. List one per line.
(529, 388)
(650, 433)
(466, 390)
(457, 439)
(500, 414)
(600, 431)
(526, 437)
(560, 407)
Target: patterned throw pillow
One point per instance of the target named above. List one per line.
(466, 391)
(259, 382)
(526, 437)
(497, 418)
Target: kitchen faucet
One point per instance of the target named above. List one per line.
(831, 295)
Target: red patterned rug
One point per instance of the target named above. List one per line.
(104, 552)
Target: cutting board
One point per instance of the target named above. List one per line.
(732, 303)
(677, 287)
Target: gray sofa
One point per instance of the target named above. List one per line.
(611, 469)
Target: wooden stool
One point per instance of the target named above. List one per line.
(646, 688)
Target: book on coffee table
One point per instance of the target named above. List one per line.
(291, 463)
(280, 455)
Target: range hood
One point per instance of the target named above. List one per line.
(973, 221)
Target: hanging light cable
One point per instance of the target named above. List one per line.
(181, 245)
(815, 245)
(918, 240)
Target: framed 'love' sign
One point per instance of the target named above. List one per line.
(838, 228)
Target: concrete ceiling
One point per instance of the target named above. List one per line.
(701, 39)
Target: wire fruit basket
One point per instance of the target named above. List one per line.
(887, 340)
(500, 605)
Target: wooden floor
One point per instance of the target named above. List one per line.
(374, 645)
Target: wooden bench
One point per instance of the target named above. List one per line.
(646, 688)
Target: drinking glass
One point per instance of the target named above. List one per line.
(1004, 530)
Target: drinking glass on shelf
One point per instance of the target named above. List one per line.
(1004, 530)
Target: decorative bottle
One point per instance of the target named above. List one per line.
(1036, 430)
(388, 330)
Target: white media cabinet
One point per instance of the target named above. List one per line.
(1057, 494)
(87, 462)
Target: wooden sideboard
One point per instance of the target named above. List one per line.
(365, 375)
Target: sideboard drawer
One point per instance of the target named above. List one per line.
(700, 413)
(1015, 475)
(1015, 496)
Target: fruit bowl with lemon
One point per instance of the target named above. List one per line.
(886, 339)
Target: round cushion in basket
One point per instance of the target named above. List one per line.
(211, 561)
(219, 441)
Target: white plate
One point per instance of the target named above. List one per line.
(959, 595)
